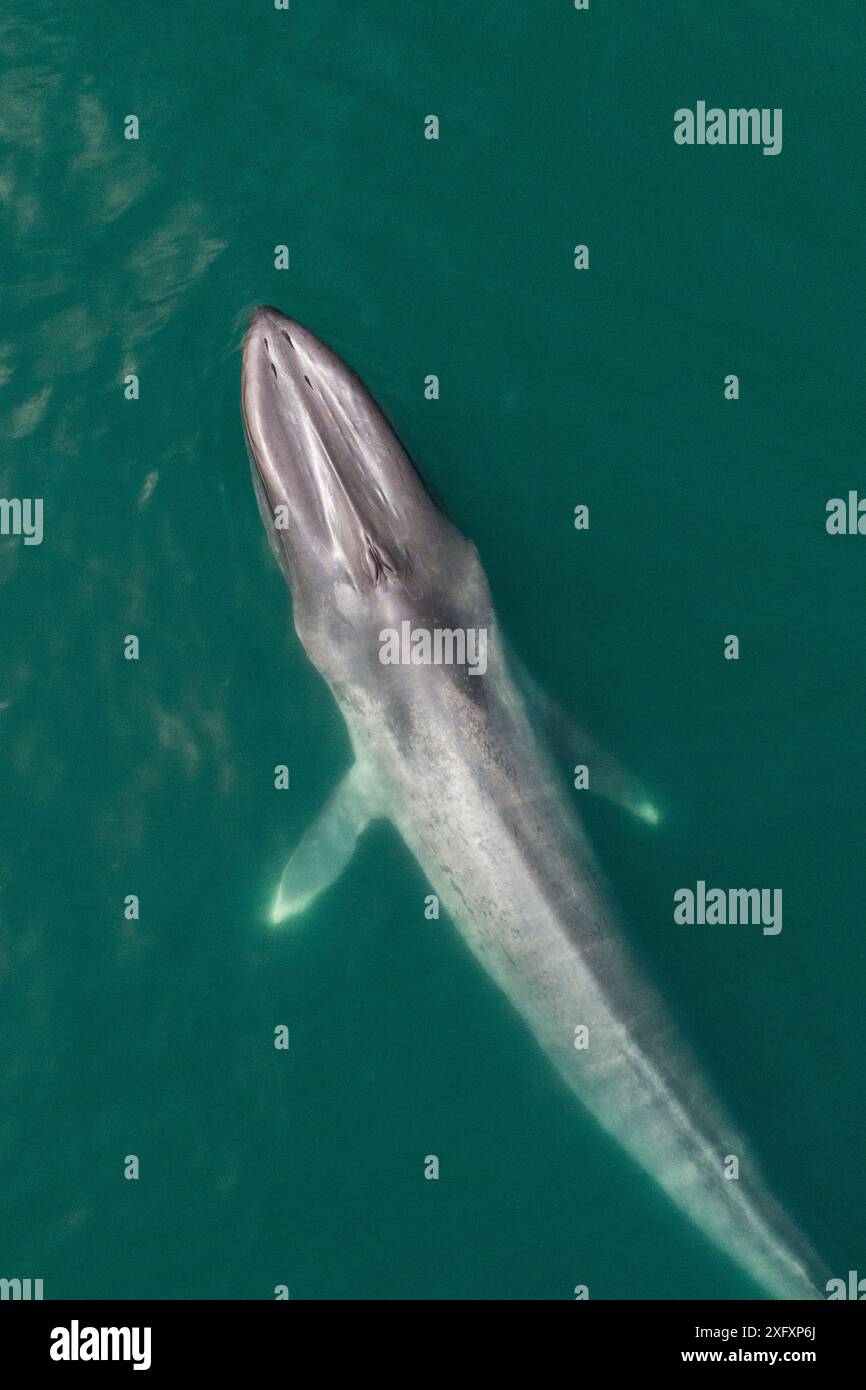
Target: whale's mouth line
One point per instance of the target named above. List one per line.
(253, 453)
(378, 568)
(379, 564)
(321, 448)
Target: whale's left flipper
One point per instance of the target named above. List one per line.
(327, 846)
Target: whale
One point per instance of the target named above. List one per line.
(455, 757)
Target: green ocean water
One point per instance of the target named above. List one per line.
(604, 387)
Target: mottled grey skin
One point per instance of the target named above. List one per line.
(455, 763)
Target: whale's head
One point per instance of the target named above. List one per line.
(358, 536)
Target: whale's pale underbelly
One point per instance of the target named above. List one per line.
(511, 864)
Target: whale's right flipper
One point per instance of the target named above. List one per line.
(609, 778)
(327, 846)
(575, 744)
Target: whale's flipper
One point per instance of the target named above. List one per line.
(327, 846)
(572, 742)
(609, 778)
